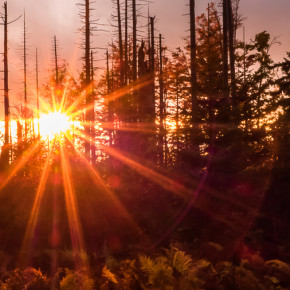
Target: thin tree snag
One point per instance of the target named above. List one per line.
(134, 40)
(193, 78)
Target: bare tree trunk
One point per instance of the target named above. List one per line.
(88, 116)
(134, 41)
(110, 109)
(244, 56)
(152, 71)
(37, 94)
(5, 149)
(232, 60)
(93, 132)
(165, 133)
(149, 34)
(225, 52)
(56, 62)
(161, 104)
(193, 79)
(177, 117)
(126, 43)
(121, 53)
(210, 78)
(25, 81)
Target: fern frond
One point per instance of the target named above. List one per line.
(179, 261)
(106, 273)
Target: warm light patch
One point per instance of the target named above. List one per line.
(54, 123)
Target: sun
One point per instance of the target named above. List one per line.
(54, 124)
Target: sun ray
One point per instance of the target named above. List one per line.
(190, 195)
(96, 178)
(73, 215)
(133, 127)
(34, 212)
(54, 104)
(147, 172)
(111, 97)
(76, 103)
(164, 182)
(63, 99)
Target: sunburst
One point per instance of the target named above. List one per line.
(54, 124)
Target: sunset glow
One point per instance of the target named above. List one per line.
(54, 124)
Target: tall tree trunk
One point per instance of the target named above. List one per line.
(56, 63)
(161, 104)
(126, 43)
(121, 53)
(149, 34)
(25, 81)
(110, 107)
(211, 93)
(37, 93)
(225, 52)
(244, 56)
(88, 79)
(152, 71)
(5, 149)
(134, 40)
(193, 79)
(232, 60)
(177, 117)
(93, 133)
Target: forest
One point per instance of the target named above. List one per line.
(164, 169)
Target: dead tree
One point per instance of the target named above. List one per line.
(37, 92)
(126, 70)
(93, 133)
(25, 79)
(147, 142)
(161, 103)
(193, 79)
(88, 76)
(110, 104)
(56, 62)
(225, 52)
(5, 153)
(87, 31)
(232, 58)
(134, 10)
(5, 149)
(121, 53)
(151, 97)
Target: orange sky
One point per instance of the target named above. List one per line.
(46, 18)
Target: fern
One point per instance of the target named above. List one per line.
(179, 261)
(108, 275)
(159, 272)
(76, 280)
(147, 264)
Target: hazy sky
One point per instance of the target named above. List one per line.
(46, 18)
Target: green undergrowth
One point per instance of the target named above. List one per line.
(172, 269)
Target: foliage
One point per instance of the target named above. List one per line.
(29, 278)
(76, 280)
(158, 272)
(173, 270)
